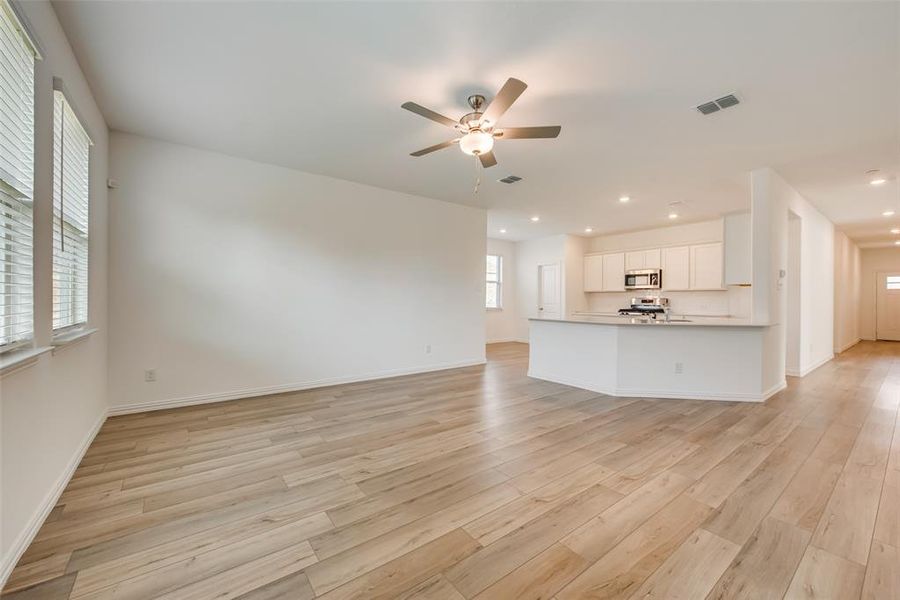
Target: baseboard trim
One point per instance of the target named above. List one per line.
(782, 385)
(847, 346)
(279, 389)
(648, 393)
(809, 368)
(21, 543)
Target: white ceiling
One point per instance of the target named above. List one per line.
(318, 87)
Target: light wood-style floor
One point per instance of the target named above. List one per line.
(482, 483)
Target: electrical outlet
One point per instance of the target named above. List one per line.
(679, 368)
(428, 349)
(150, 375)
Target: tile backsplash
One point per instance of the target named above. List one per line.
(733, 302)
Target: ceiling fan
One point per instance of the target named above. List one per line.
(479, 127)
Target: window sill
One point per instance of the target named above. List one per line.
(64, 340)
(19, 359)
(493, 309)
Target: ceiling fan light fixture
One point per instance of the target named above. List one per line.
(476, 142)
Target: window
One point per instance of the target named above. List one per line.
(17, 56)
(494, 296)
(71, 148)
(892, 282)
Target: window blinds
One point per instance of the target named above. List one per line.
(494, 277)
(71, 150)
(16, 181)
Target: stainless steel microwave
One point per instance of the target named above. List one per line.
(643, 279)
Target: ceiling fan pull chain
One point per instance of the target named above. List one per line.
(477, 176)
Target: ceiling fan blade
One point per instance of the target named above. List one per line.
(431, 149)
(429, 114)
(487, 159)
(522, 133)
(511, 90)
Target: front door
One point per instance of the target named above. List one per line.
(549, 304)
(887, 307)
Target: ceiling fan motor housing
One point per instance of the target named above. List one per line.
(471, 120)
(476, 101)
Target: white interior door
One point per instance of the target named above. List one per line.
(549, 304)
(887, 307)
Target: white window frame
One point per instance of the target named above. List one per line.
(71, 214)
(16, 186)
(498, 282)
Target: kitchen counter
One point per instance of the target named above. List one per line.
(675, 320)
(705, 358)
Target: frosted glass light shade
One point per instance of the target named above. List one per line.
(476, 142)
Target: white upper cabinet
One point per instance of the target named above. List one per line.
(652, 259)
(737, 249)
(676, 268)
(642, 259)
(706, 267)
(614, 272)
(684, 268)
(593, 273)
(634, 260)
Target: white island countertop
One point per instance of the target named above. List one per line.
(675, 320)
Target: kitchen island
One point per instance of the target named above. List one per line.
(704, 358)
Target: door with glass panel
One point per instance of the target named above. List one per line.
(887, 307)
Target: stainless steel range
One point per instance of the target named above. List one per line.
(646, 305)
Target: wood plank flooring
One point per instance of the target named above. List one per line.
(482, 483)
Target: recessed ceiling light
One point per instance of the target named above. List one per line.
(502, 231)
(895, 231)
(876, 177)
(624, 199)
(888, 213)
(673, 215)
(536, 219)
(588, 229)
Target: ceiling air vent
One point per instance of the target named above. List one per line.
(707, 108)
(510, 179)
(727, 101)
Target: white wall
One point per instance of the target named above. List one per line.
(501, 324)
(575, 249)
(49, 411)
(673, 235)
(873, 260)
(793, 283)
(231, 277)
(847, 291)
(529, 255)
(772, 199)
